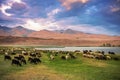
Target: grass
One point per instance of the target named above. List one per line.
(72, 69)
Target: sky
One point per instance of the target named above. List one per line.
(89, 16)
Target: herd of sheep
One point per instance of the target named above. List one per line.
(22, 56)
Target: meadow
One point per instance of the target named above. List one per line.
(80, 68)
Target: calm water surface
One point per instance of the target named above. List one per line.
(106, 49)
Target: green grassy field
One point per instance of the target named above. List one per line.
(73, 69)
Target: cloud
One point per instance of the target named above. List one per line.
(17, 1)
(92, 16)
(52, 13)
(3, 9)
(17, 9)
(39, 24)
(115, 8)
(8, 7)
(50, 24)
(68, 3)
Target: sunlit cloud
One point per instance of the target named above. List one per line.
(115, 9)
(53, 12)
(8, 5)
(18, 1)
(46, 23)
(39, 24)
(68, 3)
(3, 9)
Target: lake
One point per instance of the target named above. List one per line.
(106, 49)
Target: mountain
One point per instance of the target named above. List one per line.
(12, 40)
(16, 31)
(68, 31)
(43, 34)
(4, 28)
(20, 31)
(20, 35)
(71, 35)
(56, 34)
(4, 31)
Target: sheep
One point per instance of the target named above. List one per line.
(72, 56)
(32, 54)
(23, 61)
(100, 57)
(52, 57)
(116, 58)
(38, 55)
(34, 60)
(67, 56)
(13, 53)
(111, 53)
(20, 57)
(7, 57)
(16, 62)
(108, 57)
(88, 56)
(63, 57)
(37, 60)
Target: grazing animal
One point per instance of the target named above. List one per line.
(23, 61)
(116, 58)
(111, 53)
(20, 57)
(52, 57)
(25, 54)
(63, 57)
(72, 56)
(67, 56)
(7, 57)
(13, 53)
(29, 58)
(37, 60)
(32, 54)
(17, 57)
(108, 57)
(100, 57)
(34, 60)
(16, 62)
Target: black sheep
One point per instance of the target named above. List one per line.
(72, 56)
(16, 62)
(7, 57)
(37, 60)
(63, 57)
(111, 53)
(34, 60)
(23, 61)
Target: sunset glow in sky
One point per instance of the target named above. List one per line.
(90, 16)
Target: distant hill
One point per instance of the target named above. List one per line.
(16, 31)
(4, 31)
(20, 31)
(68, 31)
(12, 40)
(4, 28)
(70, 34)
(22, 36)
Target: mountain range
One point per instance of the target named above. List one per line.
(47, 34)
(63, 35)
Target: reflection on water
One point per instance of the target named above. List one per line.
(106, 49)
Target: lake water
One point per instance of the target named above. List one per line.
(106, 49)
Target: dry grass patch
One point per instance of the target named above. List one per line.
(37, 72)
(96, 63)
